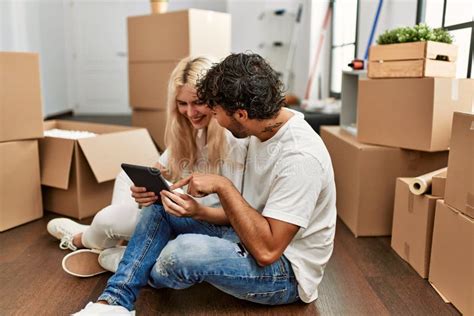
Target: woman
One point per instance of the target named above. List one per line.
(195, 142)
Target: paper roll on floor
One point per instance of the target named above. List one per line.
(422, 184)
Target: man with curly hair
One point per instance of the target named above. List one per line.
(281, 226)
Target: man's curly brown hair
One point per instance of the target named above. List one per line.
(243, 81)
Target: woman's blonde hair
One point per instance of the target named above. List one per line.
(180, 136)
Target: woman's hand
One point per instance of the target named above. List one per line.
(181, 205)
(142, 197)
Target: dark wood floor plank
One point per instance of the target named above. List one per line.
(358, 281)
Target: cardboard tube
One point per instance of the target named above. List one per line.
(422, 184)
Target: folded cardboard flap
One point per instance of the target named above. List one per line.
(107, 152)
(55, 161)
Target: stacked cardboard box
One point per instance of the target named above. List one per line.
(452, 253)
(21, 124)
(394, 116)
(365, 178)
(156, 43)
(77, 174)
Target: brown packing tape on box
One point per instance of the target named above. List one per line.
(422, 184)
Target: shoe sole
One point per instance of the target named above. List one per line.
(83, 263)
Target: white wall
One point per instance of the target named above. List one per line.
(38, 26)
(249, 33)
(47, 27)
(394, 13)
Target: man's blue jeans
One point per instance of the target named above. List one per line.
(201, 252)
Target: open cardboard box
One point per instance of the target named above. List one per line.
(365, 179)
(412, 230)
(20, 188)
(77, 175)
(411, 113)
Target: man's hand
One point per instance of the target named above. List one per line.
(200, 185)
(181, 205)
(142, 197)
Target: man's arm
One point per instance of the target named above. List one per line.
(265, 238)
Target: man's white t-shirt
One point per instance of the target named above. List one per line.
(290, 178)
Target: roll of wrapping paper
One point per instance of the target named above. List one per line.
(422, 184)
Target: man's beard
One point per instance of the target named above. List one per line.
(237, 130)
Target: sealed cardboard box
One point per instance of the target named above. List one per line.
(438, 184)
(77, 174)
(411, 113)
(412, 229)
(460, 180)
(21, 112)
(148, 84)
(417, 59)
(365, 179)
(20, 188)
(452, 257)
(154, 122)
(174, 35)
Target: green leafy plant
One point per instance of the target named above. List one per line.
(417, 33)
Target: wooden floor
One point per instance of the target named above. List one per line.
(363, 277)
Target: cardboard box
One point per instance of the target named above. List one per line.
(411, 113)
(460, 179)
(155, 122)
(148, 84)
(438, 184)
(21, 112)
(20, 188)
(412, 229)
(417, 59)
(77, 175)
(365, 179)
(452, 257)
(174, 35)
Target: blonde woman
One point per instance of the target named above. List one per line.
(195, 142)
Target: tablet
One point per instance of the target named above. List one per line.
(147, 177)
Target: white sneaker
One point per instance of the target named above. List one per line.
(110, 258)
(96, 309)
(83, 263)
(65, 229)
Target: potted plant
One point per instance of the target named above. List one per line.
(418, 51)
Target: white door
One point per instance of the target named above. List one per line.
(98, 54)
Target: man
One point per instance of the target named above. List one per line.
(282, 224)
